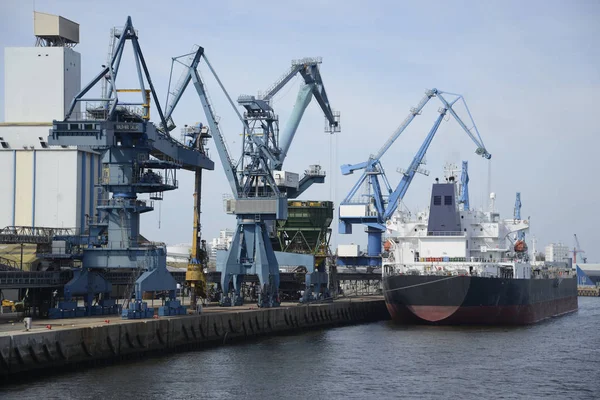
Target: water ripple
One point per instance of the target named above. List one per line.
(556, 359)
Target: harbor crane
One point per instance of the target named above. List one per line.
(520, 245)
(464, 186)
(577, 250)
(258, 200)
(378, 204)
(138, 157)
(520, 234)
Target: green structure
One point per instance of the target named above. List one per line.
(306, 230)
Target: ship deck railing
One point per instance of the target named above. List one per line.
(448, 233)
(453, 260)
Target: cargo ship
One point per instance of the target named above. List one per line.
(450, 265)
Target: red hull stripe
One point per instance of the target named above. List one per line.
(490, 315)
(433, 313)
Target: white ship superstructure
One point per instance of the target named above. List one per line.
(449, 240)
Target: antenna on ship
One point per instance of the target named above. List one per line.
(489, 185)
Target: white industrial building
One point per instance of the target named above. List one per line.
(220, 243)
(44, 186)
(557, 252)
(179, 253)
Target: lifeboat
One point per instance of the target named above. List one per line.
(520, 246)
(387, 245)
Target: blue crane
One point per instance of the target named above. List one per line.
(520, 234)
(376, 206)
(464, 186)
(137, 158)
(262, 139)
(577, 250)
(257, 199)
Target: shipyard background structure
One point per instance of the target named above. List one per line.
(44, 186)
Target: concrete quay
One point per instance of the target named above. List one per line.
(87, 341)
(592, 291)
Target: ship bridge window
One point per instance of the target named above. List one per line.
(447, 200)
(437, 200)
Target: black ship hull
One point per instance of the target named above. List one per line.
(460, 300)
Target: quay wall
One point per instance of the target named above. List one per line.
(109, 342)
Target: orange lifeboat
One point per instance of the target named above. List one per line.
(520, 246)
(387, 245)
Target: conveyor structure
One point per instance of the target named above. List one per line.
(138, 157)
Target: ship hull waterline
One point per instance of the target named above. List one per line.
(467, 300)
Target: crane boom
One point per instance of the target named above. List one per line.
(281, 82)
(313, 85)
(477, 140)
(402, 187)
(464, 186)
(349, 169)
(304, 96)
(413, 113)
(577, 249)
(312, 76)
(216, 132)
(184, 80)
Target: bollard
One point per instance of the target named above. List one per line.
(27, 322)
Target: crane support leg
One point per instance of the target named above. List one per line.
(266, 267)
(251, 252)
(238, 299)
(374, 246)
(89, 284)
(233, 269)
(316, 283)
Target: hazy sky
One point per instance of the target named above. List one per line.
(528, 70)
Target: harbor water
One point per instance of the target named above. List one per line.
(556, 359)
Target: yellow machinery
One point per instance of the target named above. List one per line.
(194, 276)
(8, 303)
(146, 106)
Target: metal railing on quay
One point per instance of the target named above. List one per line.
(119, 202)
(33, 235)
(23, 279)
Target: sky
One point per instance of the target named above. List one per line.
(528, 71)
